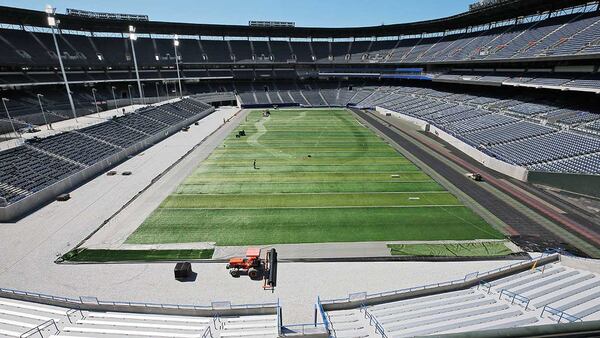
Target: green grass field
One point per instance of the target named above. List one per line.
(320, 177)
(103, 256)
(478, 249)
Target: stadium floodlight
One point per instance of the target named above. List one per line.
(4, 100)
(175, 45)
(114, 96)
(53, 23)
(39, 97)
(133, 37)
(94, 90)
(130, 96)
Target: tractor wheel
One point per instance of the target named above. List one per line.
(254, 274)
(235, 273)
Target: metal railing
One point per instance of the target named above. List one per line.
(301, 329)
(515, 297)
(469, 276)
(279, 319)
(323, 315)
(560, 314)
(71, 312)
(373, 322)
(484, 284)
(38, 329)
(77, 302)
(207, 333)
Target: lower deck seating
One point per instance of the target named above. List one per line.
(532, 297)
(18, 317)
(249, 326)
(40, 163)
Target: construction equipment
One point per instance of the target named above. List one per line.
(183, 271)
(255, 267)
(475, 177)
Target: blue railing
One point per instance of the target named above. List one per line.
(515, 297)
(373, 322)
(469, 276)
(323, 315)
(560, 314)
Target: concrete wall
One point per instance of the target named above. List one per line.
(203, 311)
(507, 169)
(581, 184)
(32, 202)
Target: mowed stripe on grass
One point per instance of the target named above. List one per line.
(301, 225)
(308, 200)
(321, 177)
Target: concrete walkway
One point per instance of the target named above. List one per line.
(113, 234)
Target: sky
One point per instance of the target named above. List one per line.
(306, 13)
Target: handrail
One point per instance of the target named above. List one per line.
(515, 296)
(72, 311)
(323, 315)
(279, 320)
(39, 328)
(207, 332)
(485, 284)
(561, 314)
(374, 322)
(467, 277)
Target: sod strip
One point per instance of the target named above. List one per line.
(478, 249)
(93, 255)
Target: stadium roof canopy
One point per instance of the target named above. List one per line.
(499, 12)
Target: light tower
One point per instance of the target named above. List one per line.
(133, 37)
(114, 97)
(175, 45)
(94, 90)
(53, 23)
(39, 97)
(4, 100)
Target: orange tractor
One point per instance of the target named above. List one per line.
(255, 267)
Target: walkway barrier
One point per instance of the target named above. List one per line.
(309, 329)
(560, 314)
(94, 304)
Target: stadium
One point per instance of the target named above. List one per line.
(428, 178)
